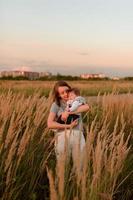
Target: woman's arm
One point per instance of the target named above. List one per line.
(52, 124)
(80, 109)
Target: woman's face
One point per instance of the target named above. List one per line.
(63, 92)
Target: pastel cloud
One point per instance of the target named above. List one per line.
(23, 68)
(29, 55)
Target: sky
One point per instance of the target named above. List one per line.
(67, 36)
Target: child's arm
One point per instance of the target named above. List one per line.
(82, 108)
(74, 106)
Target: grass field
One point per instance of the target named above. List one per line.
(28, 167)
(88, 88)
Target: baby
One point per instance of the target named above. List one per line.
(74, 101)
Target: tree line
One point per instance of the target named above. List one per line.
(60, 77)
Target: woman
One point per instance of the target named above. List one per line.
(74, 131)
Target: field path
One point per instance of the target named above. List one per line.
(95, 99)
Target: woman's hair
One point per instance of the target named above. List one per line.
(55, 92)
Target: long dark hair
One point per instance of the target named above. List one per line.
(55, 92)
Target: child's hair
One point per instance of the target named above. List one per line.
(75, 91)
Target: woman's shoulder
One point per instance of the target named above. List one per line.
(54, 107)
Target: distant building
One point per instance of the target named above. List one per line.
(27, 74)
(115, 78)
(0, 75)
(6, 73)
(44, 74)
(87, 76)
(31, 75)
(17, 73)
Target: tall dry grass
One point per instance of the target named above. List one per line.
(28, 167)
(24, 144)
(104, 157)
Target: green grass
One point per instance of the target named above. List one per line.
(87, 88)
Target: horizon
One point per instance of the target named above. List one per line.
(68, 74)
(69, 37)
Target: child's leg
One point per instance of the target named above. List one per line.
(71, 118)
(60, 121)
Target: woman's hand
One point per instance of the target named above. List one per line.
(74, 123)
(64, 116)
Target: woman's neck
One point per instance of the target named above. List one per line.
(63, 101)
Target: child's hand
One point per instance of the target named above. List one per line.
(64, 115)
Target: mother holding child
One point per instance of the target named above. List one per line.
(65, 117)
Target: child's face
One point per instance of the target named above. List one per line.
(71, 95)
